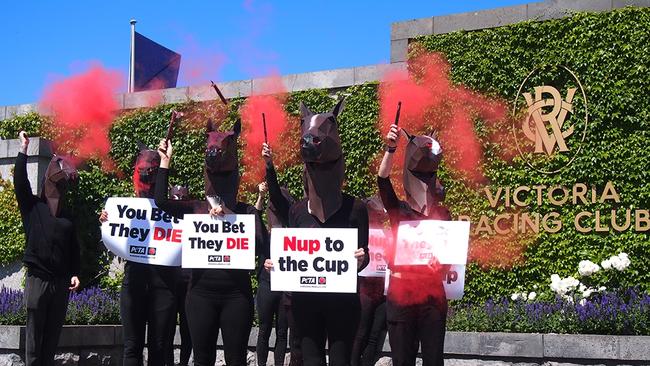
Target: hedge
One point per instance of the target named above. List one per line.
(608, 51)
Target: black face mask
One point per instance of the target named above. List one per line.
(146, 169)
(320, 149)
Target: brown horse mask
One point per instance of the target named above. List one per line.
(421, 160)
(320, 149)
(60, 175)
(222, 164)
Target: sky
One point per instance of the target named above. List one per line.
(44, 41)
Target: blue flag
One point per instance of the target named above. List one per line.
(156, 67)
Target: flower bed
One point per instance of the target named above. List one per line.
(88, 306)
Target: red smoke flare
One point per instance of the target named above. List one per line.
(83, 108)
(270, 102)
(431, 103)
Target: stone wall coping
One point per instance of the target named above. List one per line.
(403, 31)
(327, 79)
(465, 344)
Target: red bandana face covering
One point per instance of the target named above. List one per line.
(320, 149)
(59, 176)
(222, 164)
(421, 160)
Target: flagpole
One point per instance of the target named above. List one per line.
(132, 61)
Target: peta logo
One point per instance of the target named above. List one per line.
(307, 280)
(322, 280)
(215, 259)
(133, 249)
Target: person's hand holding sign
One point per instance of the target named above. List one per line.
(103, 216)
(359, 254)
(268, 265)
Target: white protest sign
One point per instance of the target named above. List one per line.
(378, 241)
(420, 241)
(138, 231)
(314, 260)
(453, 282)
(226, 242)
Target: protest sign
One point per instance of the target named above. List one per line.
(418, 242)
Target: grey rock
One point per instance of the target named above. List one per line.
(66, 359)
(11, 359)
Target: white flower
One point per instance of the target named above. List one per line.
(515, 297)
(587, 268)
(535, 287)
(602, 288)
(531, 296)
(583, 302)
(606, 264)
(586, 293)
(582, 287)
(625, 260)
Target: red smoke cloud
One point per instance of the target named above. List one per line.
(83, 108)
(432, 103)
(269, 101)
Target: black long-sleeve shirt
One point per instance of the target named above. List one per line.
(52, 248)
(279, 202)
(214, 280)
(352, 214)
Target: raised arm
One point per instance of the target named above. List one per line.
(174, 208)
(386, 191)
(280, 203)
(22, 187)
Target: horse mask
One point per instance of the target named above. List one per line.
(320, 149)
(146, 169)
(59, 176)
(421, 159)
(221, 164)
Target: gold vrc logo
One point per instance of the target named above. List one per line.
(549, 126)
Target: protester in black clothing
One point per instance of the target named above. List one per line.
(147, 296)
(416, 303)
(178, 192)
(51, 253)
(369, 340)
(269, 304)
(217, 299)
(330, 317)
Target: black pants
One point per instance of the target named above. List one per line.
(295, 355)
(207, 312)
(186, 340)
(414, 324)
(326, 317)
(270, 305)
(369, 340)
(146, 301)
(46, 302)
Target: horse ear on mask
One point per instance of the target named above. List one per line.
(338, 108)
(210, 126)
(408, 135)
(142, 146)
(304, 111)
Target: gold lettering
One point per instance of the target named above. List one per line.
(599, 227)
(515, 196)
(498, 228)
(483, 225)
(552, 217)
(539, 193)
(527, 221)
(579, 191)
(551, 196)
(493, 200)
(579, 226)
(627, 221)
(641, 217)
(610, 193)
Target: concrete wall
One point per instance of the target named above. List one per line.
(102, 345)
(402, 32)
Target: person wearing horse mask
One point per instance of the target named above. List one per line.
(416, 304)
(217, 299)
(326, 317)
(51, 253)
(147, 297)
